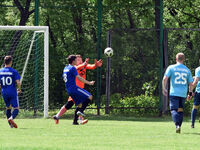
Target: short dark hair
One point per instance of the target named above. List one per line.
(71, 58)
(7, 60)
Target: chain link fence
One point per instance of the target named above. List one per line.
(135, 66)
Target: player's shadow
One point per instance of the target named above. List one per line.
(23, 128)
(130, 118)
(192, 133)
(121, 118)
(28, 128)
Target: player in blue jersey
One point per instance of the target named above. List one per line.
(80, 96)
(196, 102)
(180, 77)
(9, 77)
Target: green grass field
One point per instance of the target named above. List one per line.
(101, 133)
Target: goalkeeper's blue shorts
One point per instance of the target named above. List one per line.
(79, 95)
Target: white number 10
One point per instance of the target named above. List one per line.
(181, 76)
(6, 80)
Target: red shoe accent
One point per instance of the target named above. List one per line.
(12, 123)
(56, 119)
(84, 122)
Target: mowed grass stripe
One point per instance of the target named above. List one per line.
(128, 134)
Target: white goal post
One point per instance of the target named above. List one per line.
(37, 29)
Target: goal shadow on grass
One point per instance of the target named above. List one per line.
(120, 118)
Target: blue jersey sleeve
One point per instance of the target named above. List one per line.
(168, 72)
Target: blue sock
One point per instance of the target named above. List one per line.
(175, 117)
(180, 118)
(193, 115)
(8, 113)
(15, 113)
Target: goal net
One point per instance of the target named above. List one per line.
(28, 45)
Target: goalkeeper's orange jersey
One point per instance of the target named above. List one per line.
(81, 69)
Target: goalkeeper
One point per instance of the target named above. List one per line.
(81, 69)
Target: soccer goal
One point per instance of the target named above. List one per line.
(29, 47)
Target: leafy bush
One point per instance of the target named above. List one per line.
(143, 104)
(188, 107)
(149, 88)
(2, 104)
(114, 100)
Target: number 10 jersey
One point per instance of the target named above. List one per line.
(8, 77)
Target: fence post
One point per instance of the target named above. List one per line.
(165, 48)
(161, 54)
(108, 75)
(99, 51)
(36, 59)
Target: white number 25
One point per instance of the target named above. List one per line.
(180, 78)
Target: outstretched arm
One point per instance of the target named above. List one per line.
(95, 65)
(91, 66)
(81, 66)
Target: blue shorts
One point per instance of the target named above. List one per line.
(79, 95)
(176, 102)
(196, 101)
(11, 100)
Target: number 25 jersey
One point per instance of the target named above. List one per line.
(180, 76)
(8, 77)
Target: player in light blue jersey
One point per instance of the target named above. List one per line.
(79, 95)
(180, 77)
(9, 77)
(196, 101)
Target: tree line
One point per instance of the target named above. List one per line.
(73, 30)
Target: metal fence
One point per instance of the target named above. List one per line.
(135, 66)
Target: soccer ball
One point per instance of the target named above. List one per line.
(108, 52)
